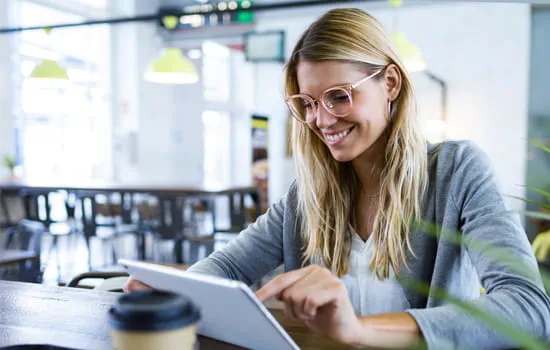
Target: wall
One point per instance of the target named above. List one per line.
(7, 117)
(159, 137)
(125, 79)
(481, 50)
(243, 105)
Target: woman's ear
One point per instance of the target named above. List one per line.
(392, 81)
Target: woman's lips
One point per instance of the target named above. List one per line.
(336, 138)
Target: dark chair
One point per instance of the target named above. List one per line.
(25, 236)
(162, 218)
(195, 211)
(102, 220)
(39, 206)
(111, 281)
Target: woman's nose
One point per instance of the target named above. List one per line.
(323, 118)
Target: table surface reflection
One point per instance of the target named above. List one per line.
(76, 318)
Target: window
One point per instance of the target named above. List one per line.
(216, 67)
(217, 149)
(63, 132)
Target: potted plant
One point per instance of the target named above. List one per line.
(9, 163)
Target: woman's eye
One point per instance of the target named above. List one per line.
(341, 98)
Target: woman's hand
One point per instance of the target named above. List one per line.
(133, 285)
(319, 299)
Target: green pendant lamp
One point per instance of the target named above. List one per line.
(49, 73)
(171, 67)
(410, 53)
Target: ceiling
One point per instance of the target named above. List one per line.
(175, 3)
(189, 2)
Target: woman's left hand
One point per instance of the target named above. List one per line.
(319, 299)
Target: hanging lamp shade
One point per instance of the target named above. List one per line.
(49, 69)
(171, 67)
(410, 53)
(48, 73)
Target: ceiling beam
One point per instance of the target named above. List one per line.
(262, 7)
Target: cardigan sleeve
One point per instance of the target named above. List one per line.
(514, 296)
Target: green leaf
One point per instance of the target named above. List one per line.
(522, 338)
(9, 162)
(542, 205)
(500, 255)
(536, 215)
(539, 191)
(540, 146)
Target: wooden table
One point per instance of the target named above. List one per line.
(14, 186)
(77, 318)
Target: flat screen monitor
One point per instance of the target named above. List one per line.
(265, 47)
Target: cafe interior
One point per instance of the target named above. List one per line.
(156, 130)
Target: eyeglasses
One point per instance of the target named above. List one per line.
(336, 100)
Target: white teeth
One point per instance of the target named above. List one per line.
(338, 136)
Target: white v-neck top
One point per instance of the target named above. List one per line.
(368, 294)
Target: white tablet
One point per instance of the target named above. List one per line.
(230, 311)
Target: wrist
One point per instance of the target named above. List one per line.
(361, 333)
(398, 330)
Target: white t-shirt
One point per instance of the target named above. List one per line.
(368, 294)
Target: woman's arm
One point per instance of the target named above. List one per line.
(395, 330)
(514, 296)
(318, 298)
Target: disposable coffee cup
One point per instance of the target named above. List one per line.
(154, 320)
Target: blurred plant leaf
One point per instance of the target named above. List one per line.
(522, 338)
(542, 205)
(500, 255)
(539, 191)
(9, 162)
(540, 146)
(541, 246)
(536, 215)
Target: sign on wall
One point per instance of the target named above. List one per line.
(260, 167)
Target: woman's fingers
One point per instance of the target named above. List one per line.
(282, 282)
(330, 293)
(133, 285)
(289, 312)
(312, 291)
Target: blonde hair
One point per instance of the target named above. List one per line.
(327, 189)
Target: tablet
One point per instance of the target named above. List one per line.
(230, 311)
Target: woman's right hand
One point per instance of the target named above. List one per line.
(133, 285)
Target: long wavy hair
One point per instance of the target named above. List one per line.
(327, 189)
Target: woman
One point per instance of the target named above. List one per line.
(345, 232)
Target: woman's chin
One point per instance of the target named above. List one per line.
(342, 157)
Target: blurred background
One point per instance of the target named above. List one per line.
(156, 129)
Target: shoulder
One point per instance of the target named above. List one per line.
(454, 152)
(452, 157)
(462, 170)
